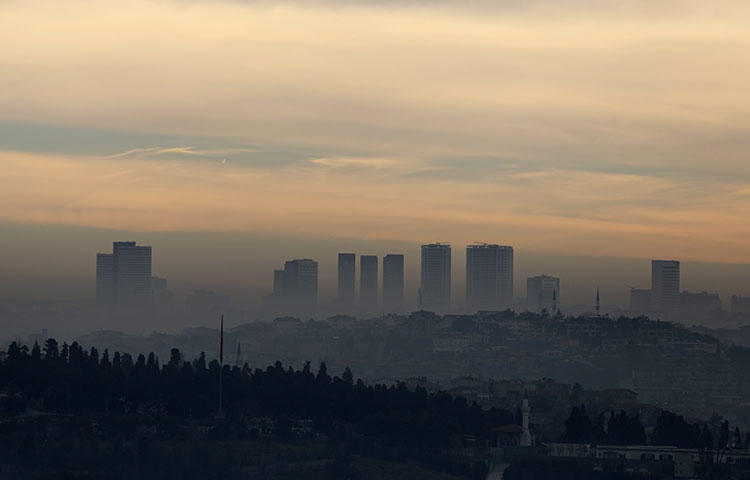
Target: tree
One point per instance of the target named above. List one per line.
(347, 376)
(51, 352)
(578, 427)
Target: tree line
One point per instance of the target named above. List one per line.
(670, 430)
(398, 422)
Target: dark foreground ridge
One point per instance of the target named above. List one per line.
(70, 413)
(94, 415)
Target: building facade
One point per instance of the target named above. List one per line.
(435, 281)
(393, 283)
(368, 282)
(300, 280)
(346, 278)
(489, 276)
(665, 285)
(543, 291)
(123, 278)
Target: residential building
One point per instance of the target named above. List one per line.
(123, 277)
(435, 281)
(489, 276)
(393, 283)
(665, 285)
(543, 291)
(699, 303)
(368, 282)
(346, 279)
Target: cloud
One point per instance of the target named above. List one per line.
(618, 127)
(623, 215)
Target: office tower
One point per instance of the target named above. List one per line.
(368, 282)
(435, 282)
(301, 281)
(393, 283)
(665, 285)
(543, 291)
(703, 303)
(346, 278)
(123, 278)
(105, 279)
(640, 299)
(296, 285)
(132, 273)
(489, 276)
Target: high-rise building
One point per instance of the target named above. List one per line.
(393, 283)
(435, 282)
(346, 278)
(123, 278)
(665, 285)
(296, 286)
(105, 279)
(696, 304)
(543, 291)
(368, 282)
(132, 273)
(489, 276)
(301, 281)
(163, 297)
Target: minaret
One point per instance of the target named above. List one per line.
(526, 434)
(554, 302)
(598, 305)
(238, 359)
(220, 415)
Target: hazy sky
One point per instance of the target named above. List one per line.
(613, 128)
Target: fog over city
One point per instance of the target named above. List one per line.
(375, 239)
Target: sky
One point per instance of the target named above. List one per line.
(608, 129)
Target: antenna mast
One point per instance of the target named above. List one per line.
(221, 365)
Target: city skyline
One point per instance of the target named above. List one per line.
(375, 239)
(523, 140)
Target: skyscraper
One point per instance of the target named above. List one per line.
(132, 273)
(346, 278)
(123, 277)
(393, 283)
(300, 282)
(435, 282)
(543, 291)
(489, 276)
(368, 282)
(665, 285)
